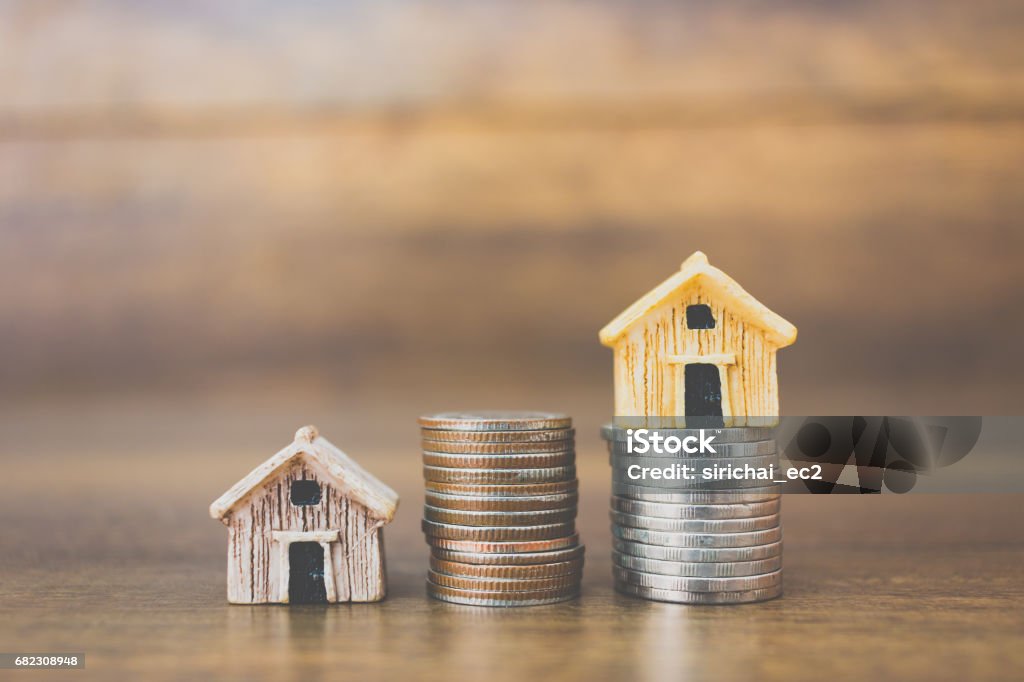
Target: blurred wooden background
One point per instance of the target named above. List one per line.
(420, 195)
(222, 220)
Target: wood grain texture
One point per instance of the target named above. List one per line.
(256, 559)
(653, 345)
(345, 518)
(201, 66)
(246, 175)
(108, 559)
(332, 463)
(539, 236)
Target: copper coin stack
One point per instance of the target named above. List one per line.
(500, 512)
(697, 541)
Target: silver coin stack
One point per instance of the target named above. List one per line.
(697, 541)
(500, 512)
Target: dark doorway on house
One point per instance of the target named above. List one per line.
(703, 391)
(306, 573)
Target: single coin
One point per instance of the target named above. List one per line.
(688, 584)
(541, 460)
(696, 525)
(680, 597)
(622, 432)
(561, 582)
(514, 572)
(647, 494)
(511, 490)
(521, 559)
(501, 436)
(695, 511)
(499, 518)
(455, 448)
(698, 569)
(450, 531)
(716, 451)
(503, 599)
(501, 504)
(695, 555)
(495, 420)
(569, 541)
(499, 476)
(697, 540)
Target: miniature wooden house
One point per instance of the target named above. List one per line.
(306, 526)
(697, 345)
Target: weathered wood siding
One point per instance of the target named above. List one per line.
(646, 384)
(357, 559)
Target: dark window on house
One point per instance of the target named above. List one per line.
(305, 493)
(698, 316)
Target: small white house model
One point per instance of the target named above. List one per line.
(306, 526)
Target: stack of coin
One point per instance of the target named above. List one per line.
(697, 541)
(500, 512)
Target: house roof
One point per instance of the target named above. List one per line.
(696, 269)
(354, 481)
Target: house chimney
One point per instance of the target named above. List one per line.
(696, 258)
(306, 434)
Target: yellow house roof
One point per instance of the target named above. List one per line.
(696, 269)
(352, 480)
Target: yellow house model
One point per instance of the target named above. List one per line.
(697, 345)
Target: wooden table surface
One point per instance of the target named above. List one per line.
(108, 550)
